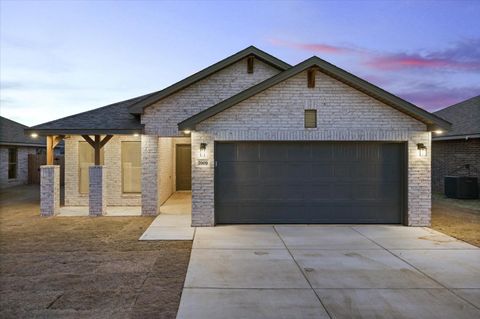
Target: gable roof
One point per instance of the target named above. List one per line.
(433, 122)
(137, 107)
(12, 133)
(110, 119)
(465, 119)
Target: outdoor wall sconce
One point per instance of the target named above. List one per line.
(34, 135)
(422, 150)
(203, 150)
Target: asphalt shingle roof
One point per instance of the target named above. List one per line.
(464, 116)
(113, 118)
(12, 133)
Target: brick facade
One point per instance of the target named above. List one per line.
(450, 156)
(49, 190)
(112, 153)
(97, 199)
(22, 166)
(344, 114)
(162, 117)
(277, 114)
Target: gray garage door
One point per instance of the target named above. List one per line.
(309, 182)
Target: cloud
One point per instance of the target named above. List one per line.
(463, 56)
(312, 47)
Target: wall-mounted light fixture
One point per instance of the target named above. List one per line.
(422, 150)
(186, 132)
(135, 134)
(438, 132)
(203, 150)
(34, 135)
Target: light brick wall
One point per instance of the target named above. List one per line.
(344, 114)
(165, 169)
(22, 166)
(162, 118)
(112, 162)
(150, 160)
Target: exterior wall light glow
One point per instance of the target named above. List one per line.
(34, 135)
(438, 132)
(135, 134)
(422, 150)
(203, 150)
(186, 132)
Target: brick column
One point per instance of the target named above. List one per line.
(97, 191)
(49, 190)
(149, 175)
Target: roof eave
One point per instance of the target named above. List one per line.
(456, 137)
(21, 144)
(45, 132)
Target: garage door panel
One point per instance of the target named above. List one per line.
(309, 182)
(239, 171)
(227, 152)
(247, 152)
(273, 152)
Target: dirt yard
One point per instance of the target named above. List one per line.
(81, 267)
(457, 218)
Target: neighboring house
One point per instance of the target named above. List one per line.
(257, 141)
(453, 150)
(15, 147)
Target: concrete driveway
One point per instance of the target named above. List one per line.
(330, 272)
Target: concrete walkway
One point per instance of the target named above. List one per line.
(174, 220)
(330, 272)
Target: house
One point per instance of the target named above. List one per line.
(256, 140)
(457, 152)
(14, 150)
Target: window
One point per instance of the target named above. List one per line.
(12, 162)
(310, 118)
(131, 167)
(86, 158)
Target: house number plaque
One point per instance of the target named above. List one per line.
(202, 162)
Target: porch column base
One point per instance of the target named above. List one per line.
(97, 193)
(150, 175)
(49, 190)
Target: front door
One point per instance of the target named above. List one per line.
(184, 167)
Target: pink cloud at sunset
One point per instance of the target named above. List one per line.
(312, 47)
(401, 61)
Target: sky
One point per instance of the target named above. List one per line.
(59, 58)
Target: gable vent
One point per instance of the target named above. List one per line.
(310, 118)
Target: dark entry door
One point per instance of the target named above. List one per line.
(309, 182)
(183, 167)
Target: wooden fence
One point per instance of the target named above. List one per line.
(34, 163)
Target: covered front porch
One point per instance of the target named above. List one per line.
(118, 175)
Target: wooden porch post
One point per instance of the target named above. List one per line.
(97, 144)
(52, 142)
(97, 149)
(49, 150)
